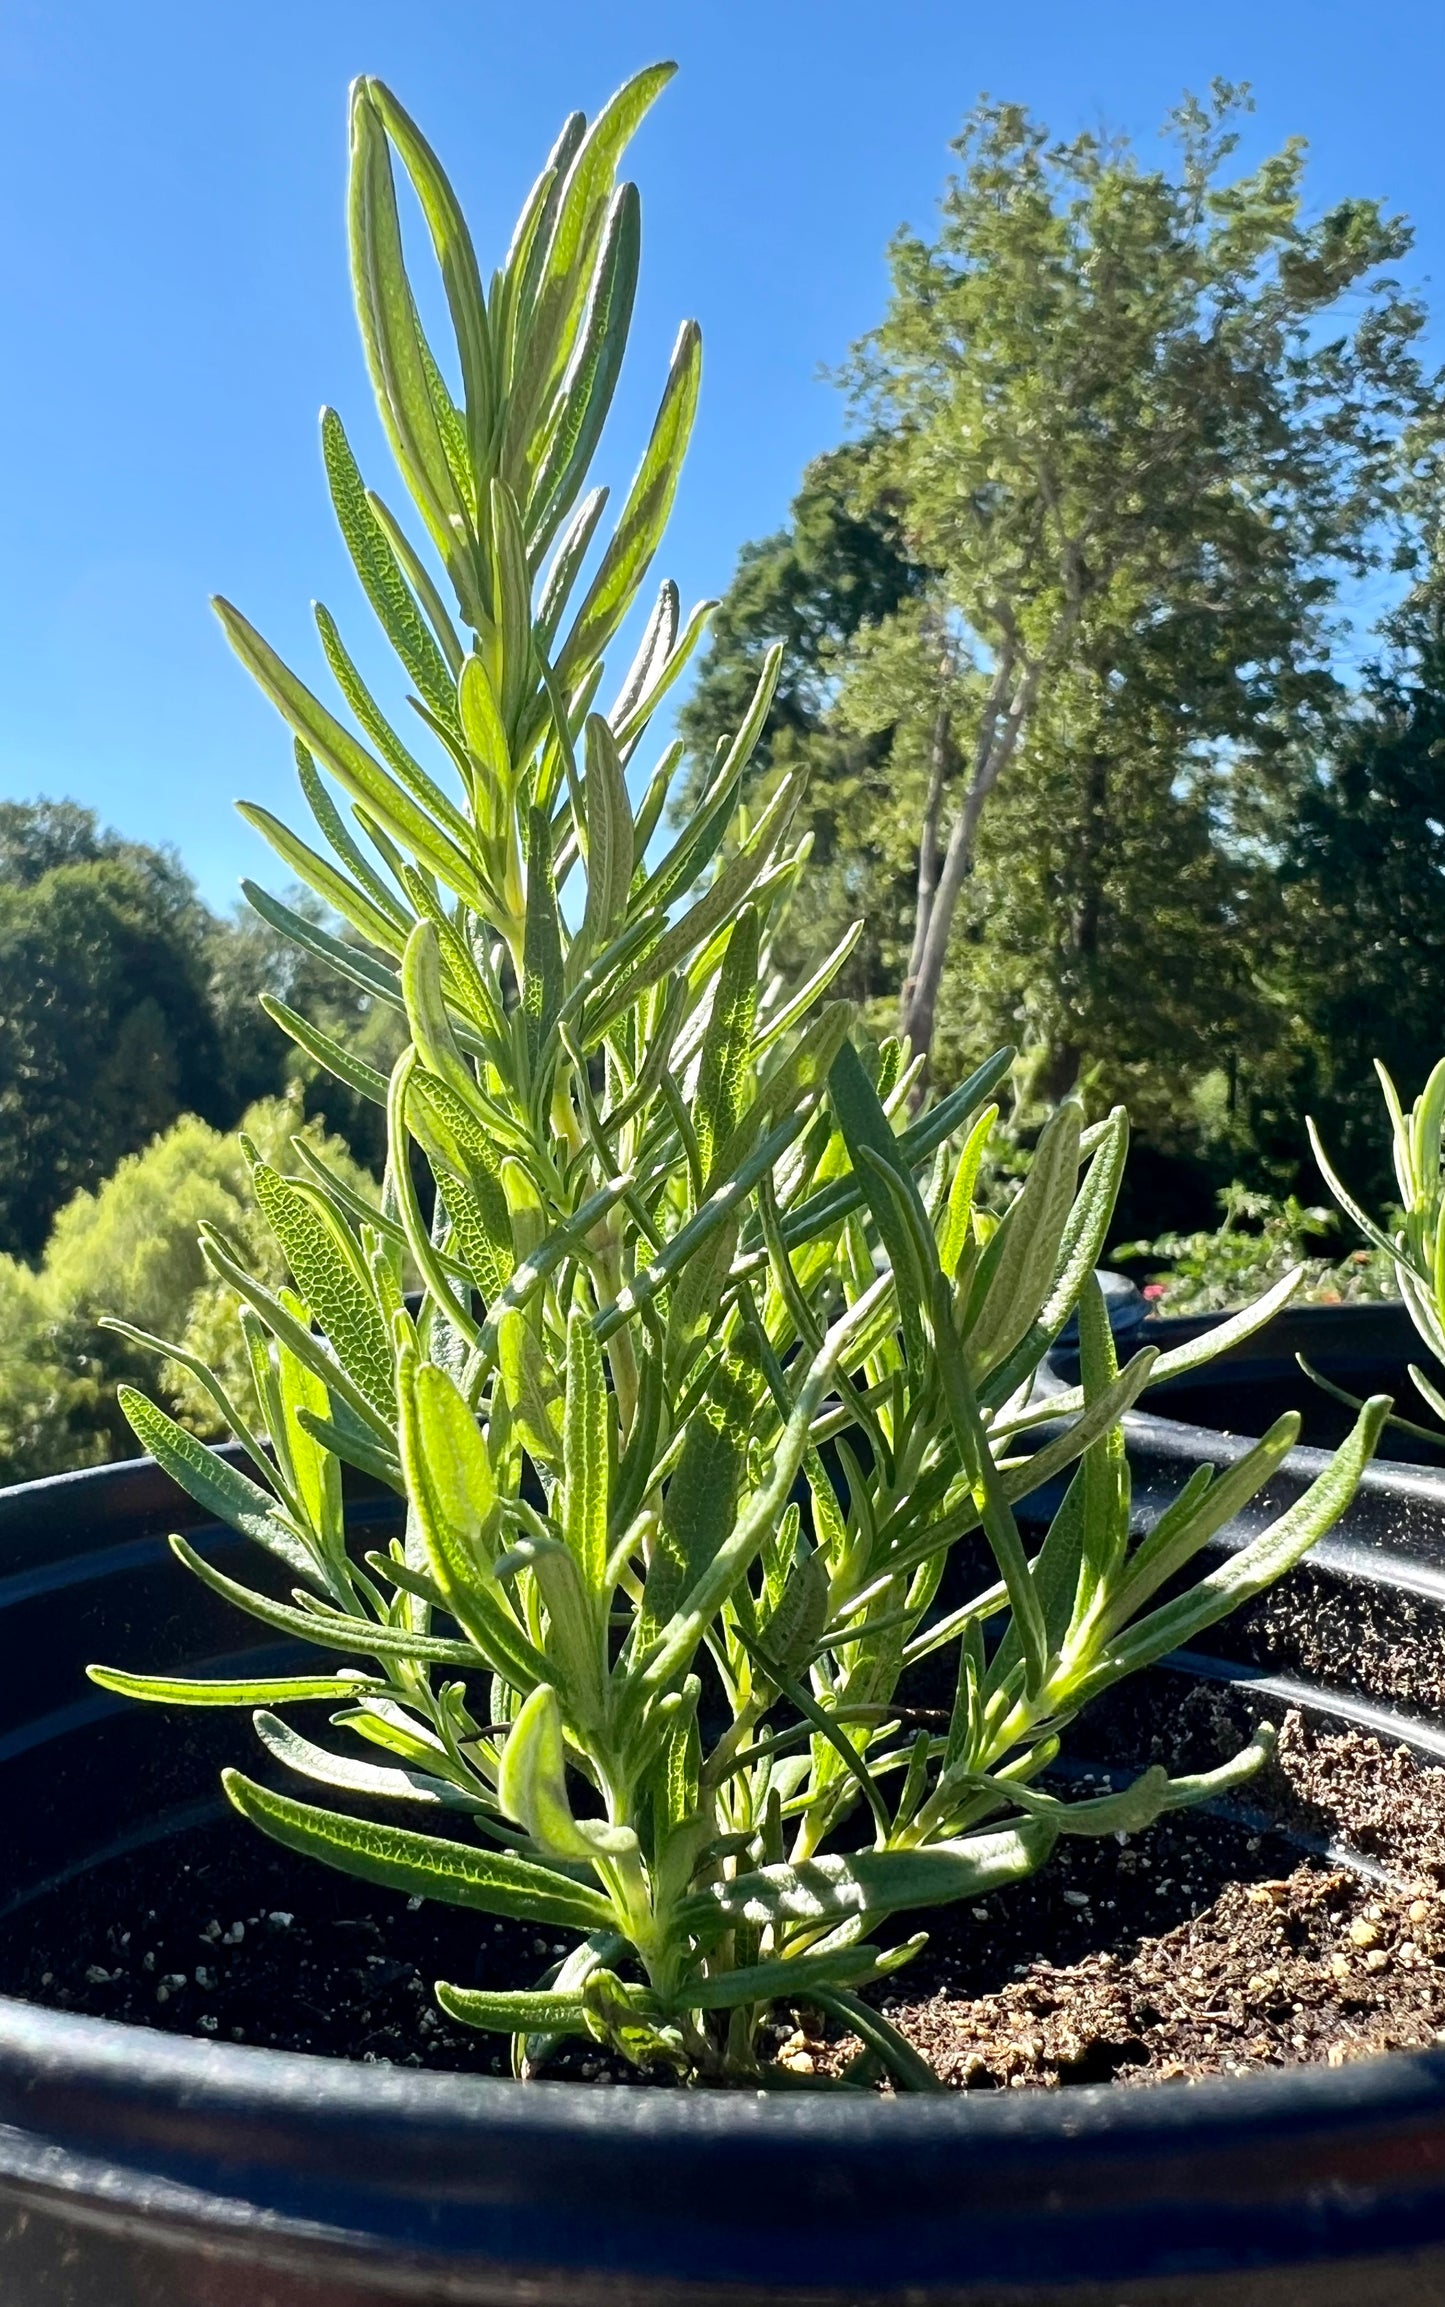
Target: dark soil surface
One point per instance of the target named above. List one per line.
(222, 1934)
(1207, 1945)
(1200, 1947)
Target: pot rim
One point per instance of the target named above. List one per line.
(60, 2050)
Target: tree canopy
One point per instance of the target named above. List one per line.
(106, 1031)
(1362, 887)
(1127, 433)
(131, 1247)
(125, 1003)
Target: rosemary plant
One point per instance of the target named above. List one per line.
(1416, 1249)
(714, 1364)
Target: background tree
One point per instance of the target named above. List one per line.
(106, 1031)
(1362, 950)
(131, 1246)
(1130, 453)
(1139, 460)
(837, 570)
(125, 1003)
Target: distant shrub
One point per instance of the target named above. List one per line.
(130, 1246)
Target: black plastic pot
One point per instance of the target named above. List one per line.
(1365, 1348)
(139, 2170)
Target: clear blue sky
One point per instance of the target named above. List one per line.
(175, 306)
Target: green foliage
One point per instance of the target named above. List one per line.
(131, 1246)
(1127, 425)
(715, 1364)
(1262, 1238)
(1360, 922)
(838, 568)
(253, 968)
(105, 1028)
(1414, 1246)
(125, 1004)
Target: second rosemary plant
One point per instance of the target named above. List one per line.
(714, 1365)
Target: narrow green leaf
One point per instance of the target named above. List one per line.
(347, 961)
(958, 1215)
(329, 1629)
(566, 566)
(701, 1504)
(526, 2011)
(1372, 1233)
(330, 1273)
(586, 1455)
(1206, 1504)
(533, 1395)
(792, 1979)
(532, 1788)
(426, 1012)
(585, 393)
(609, 838)
(380, 572)
(424, 1865)
(906, 2066)
(1017, 1269)
(643, 518)
(584, 197)
(215, 1484)
(355, 905)
(311, 1761)
(484, 730)
(1104, 1411)
(1080, 1250)
(389, 330)
(398, 756)
(826, 1210)
(870, 1883)
(630, 725)
(450, 1476)
(514, 288)
(1256, 1565)
(723, 1067)
(336, 831)
(453, 1139)
(354, 1071)
(542, 966)
(511, 600)
(456, 257)
(172, 1690)
(349, 762)
(446, 1298)
(284, 1325)
(354, 1444)
(865, 1127)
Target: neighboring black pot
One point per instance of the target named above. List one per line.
(139, 2170)
(1365, 1348)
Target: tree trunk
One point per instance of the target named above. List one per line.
(943, 758)
(1009, 701)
